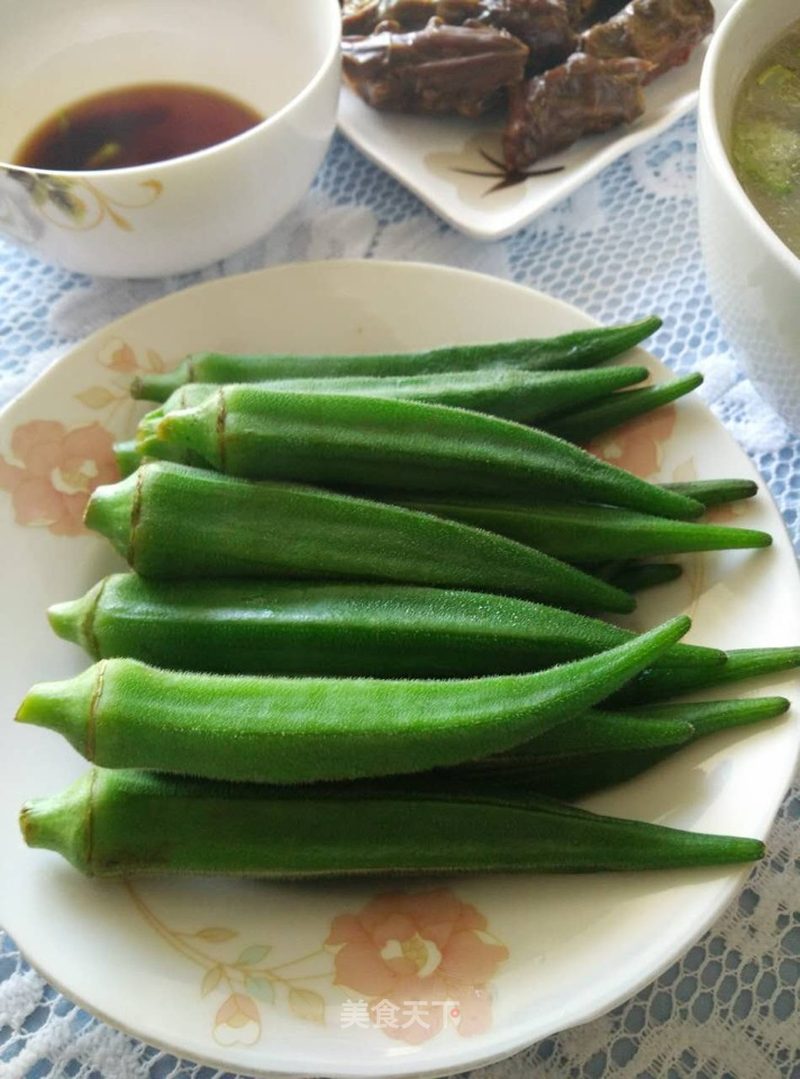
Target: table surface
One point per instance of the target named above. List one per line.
(624, 245)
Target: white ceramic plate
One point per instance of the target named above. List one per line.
(426, 153)
(256, 976)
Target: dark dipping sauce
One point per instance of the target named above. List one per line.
(135, 125)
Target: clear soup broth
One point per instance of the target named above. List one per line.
(765, 147)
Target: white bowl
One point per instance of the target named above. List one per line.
(754, 277)
(280, 57)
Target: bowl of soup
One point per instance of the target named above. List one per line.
(749, 192)
(149, 137)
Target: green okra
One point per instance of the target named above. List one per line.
(575, 774)
(374, 443)
(583, 348)
(287, 627)
(130, 823)
(121, 713)
(741, 664)
(524, 396)
(169, 520)
(127, 457)
(587, 423)
(584, 534)
(715, 492)
(637, 576)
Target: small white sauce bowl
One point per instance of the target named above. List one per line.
(279, 56)
(754, 277)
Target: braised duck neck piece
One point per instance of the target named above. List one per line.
(661, 31)
(439, 69)
(545, 26)
(586, 95)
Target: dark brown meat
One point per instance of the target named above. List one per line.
(362, 16)
(581, 97)
(545, 26)
(441, 69)
(661, 31)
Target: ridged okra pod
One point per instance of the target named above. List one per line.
(715, 492)
(131, 823)
(273, 627)
(525, 396)
(123, 714)
(170, 520)
(583, 425)
(741, 664)
(377, 444)
(583, 348)
(603, 749)
(586, 534)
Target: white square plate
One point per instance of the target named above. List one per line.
(426, 153)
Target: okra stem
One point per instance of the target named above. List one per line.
(123, 714)
(132, 823)
(584, 348)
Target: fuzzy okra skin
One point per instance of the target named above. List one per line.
(740, 664)
(570, 351)
(585, 756)
(123, 714)
(130, 823)
(170, 520)
(579, 533)
(524, 396)
(279, 627)
(587, 423)
(374, 443)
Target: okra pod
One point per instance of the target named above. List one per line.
(131, 823)
(715, 492)
(577, 774)
(587, 423)
(383, 631)
(741, 664)
(525, 396)
(170, 520)
(584, 348)
(123, 714)
(584, 534)
(374, 443)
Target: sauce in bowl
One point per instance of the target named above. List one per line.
(135, 125)
(765, 148)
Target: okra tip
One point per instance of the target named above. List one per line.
(62, 823)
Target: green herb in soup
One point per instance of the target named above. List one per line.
(766, 136)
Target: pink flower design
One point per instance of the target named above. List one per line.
(427, 949)
(57, 471)
(637, 446)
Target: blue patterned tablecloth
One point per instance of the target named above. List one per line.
(623, 245)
